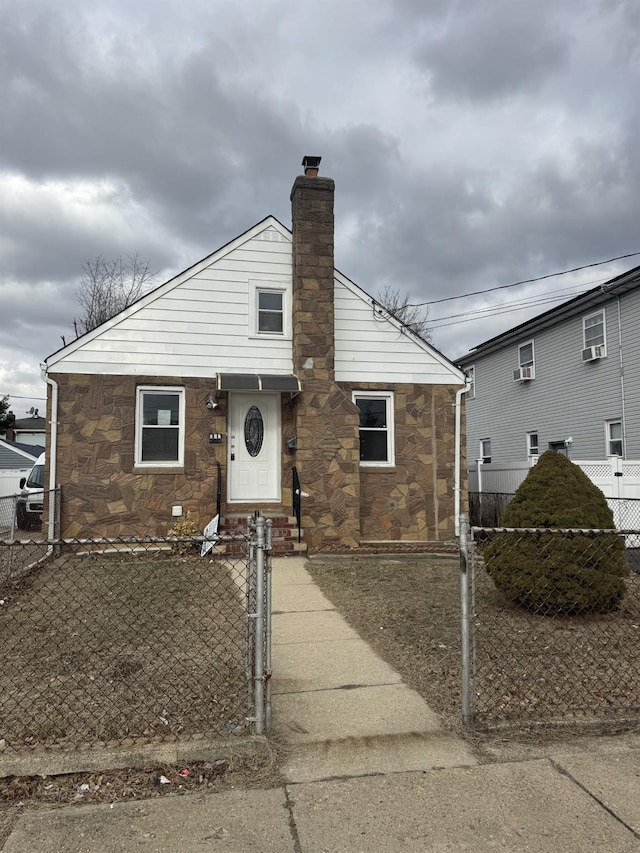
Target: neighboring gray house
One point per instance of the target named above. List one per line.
(567, 380)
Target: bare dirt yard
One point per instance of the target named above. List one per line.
(98, 648)
(532, 671)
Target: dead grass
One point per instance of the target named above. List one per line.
(103, 648)
(532, 672)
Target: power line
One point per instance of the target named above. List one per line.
(530, 302)
(16, 397)
(525, 281)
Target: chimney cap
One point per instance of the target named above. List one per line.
(311, 165)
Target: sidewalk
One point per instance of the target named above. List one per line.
(369, 769)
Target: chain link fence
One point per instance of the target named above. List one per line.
(551, 628)
(121, 641)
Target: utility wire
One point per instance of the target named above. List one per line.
(527, 302)
(525, 281)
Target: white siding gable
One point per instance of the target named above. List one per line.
(198, 323)
(372, 347)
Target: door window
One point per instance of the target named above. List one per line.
(253, 431)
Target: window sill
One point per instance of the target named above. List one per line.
(384, 465)
(158, 469)
(271, 336)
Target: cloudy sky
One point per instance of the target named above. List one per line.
(474, 143)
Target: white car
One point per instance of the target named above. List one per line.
(29, 504)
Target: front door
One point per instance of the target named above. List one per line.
(254, 447)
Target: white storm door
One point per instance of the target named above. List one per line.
(254, 447)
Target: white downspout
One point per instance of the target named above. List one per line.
(622, 398)
(458, 454)
(52, 450)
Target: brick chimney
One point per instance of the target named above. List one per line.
(326, 420)
(313, 264)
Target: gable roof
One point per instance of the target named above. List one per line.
(27, 452)
(585, 302)
(38, 424)
(270, 223)
(161, 289)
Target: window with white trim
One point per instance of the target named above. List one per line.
(470, 373)
(485, 450)
(533, 447)
(376, 427)
(269, 311)
(159, 426)
(593, 330)
(614, 438)
(526, 361)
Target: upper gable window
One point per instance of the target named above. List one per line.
(593, 337)
(159, 426)
(269, 311)
(526, 361)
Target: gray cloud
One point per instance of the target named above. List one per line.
(472, 143)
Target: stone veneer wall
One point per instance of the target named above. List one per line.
(415, 500)
(103, 494)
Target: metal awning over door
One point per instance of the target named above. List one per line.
(258, 382)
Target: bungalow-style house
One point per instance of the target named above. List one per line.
(567, 380)
(257, 360)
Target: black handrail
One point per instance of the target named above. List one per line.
(297, 498)
(218, 491)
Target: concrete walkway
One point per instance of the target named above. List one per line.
(370, 769)
(341, 709)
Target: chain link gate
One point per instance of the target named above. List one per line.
(539, 657)
(112, 641)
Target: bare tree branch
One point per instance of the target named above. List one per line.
(108, 287)
(415, 318)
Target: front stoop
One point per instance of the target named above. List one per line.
(284, 532)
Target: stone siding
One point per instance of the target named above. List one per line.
(414, 500)
(326, 420)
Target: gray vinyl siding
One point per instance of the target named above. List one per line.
(12, 461)
(567, 398)
(630, 316)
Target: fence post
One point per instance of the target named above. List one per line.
(258, 662)
(267, 628)
(467, 707)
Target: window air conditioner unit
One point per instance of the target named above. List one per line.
(523, 374)
(593, 353)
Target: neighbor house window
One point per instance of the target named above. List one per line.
(376, 427)
(485, 450)
(533, 448)
(614, 438)
(593, 330)
(159, 426)
(526, 365)
(470, 373)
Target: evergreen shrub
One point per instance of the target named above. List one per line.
(554, 573)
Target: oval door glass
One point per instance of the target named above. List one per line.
(253, 431)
